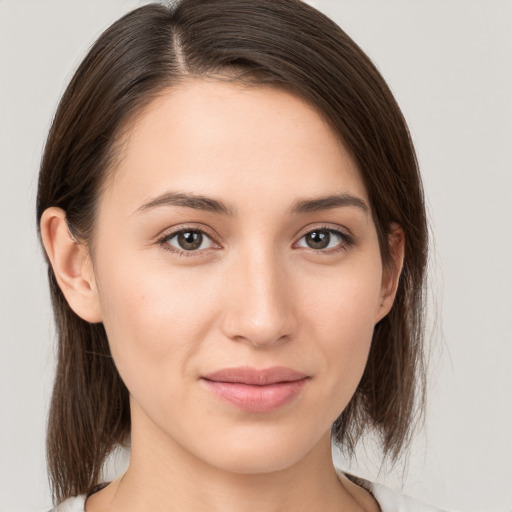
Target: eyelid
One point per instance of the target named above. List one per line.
(326, 227)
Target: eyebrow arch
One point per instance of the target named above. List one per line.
(200, 202)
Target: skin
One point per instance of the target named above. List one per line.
(255, 294)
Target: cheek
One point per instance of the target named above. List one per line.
(342, 318)
(154, 319)
(346, 303)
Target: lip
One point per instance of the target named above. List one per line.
(256, 390)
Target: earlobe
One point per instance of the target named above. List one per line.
(71, 265)
(391, 274)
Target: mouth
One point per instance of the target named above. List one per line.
(256, 390)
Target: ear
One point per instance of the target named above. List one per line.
(71, 265)
(391, 273)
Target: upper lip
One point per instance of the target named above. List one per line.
(254, 376)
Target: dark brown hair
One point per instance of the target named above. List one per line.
(284, 43)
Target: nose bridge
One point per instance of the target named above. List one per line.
(259, 307)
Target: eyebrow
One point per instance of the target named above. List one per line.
(329, 203)
(189, 200)
(209, 204)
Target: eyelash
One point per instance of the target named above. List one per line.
(346, 241)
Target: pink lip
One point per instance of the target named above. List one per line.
(256, 390)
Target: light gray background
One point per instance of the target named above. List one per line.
(449, 64)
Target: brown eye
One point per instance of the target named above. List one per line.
(318, 239)
(325, 239)
(188, 240)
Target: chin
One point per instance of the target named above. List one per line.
(256, 462)
(261, 452)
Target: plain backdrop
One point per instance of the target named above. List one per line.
(449, 63)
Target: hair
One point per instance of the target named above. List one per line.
(283, 43)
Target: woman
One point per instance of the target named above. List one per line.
(233, 217)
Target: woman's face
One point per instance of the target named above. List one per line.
(234, 237)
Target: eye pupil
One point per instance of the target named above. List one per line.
(318, 239)
(190, 240)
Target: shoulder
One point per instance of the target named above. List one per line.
(76, 504)
(392, 501)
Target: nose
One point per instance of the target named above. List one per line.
(259, 305)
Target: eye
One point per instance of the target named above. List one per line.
(186, 241)
(325, 239)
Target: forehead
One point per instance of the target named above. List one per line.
(231, 140)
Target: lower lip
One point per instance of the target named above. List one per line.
(254, 398)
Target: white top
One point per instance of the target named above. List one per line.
(388, 500)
